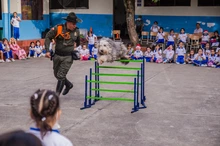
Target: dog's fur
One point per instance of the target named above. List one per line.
(109, 51)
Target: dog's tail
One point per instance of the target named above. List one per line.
(124, 60)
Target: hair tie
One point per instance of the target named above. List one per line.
(50, 97)
(43, 119)
(35, 96)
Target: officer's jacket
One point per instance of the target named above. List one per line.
(65, 41)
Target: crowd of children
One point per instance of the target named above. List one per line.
(206, 56)
(10, 49)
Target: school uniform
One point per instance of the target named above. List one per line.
(154, 28)
(207, 53)
(149, 56)
(16, 26)
(190, 58)
(95, 52)
(157, 55)
(84, 54)
(160, 37)
(32, 52)
(217, 50)
(91, 42)
(200, 30)
(201, 60)
(215, 41)
(169, 55)
(7, 52)
(180, 55)
(205, 40)
(217, 61)
(38, 50)
(53, 138)
(130, 52)
(171, 40)
(182, 37)
(211, 60)
(138, 54)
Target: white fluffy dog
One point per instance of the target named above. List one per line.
(109, 51)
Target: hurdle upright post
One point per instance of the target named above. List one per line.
(135, 109)
(86, 90)
(138, 80)
(90, 86)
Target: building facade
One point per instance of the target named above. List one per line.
(105, 15)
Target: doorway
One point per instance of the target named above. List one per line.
(119, 18)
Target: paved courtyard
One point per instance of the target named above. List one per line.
(183, 105)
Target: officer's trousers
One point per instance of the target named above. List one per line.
(61, 66)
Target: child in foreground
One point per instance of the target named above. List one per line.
(45, 111)
(169, 54)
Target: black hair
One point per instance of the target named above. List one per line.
(155, 22)
(216, 32)
(19, 138)
(161, 28)
(44, 107)
(129, 44)
(4, 39)
(182, 29)
(31, 43)
(38, 41)
(172, 30)
(198, 24)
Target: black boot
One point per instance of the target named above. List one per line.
(60, 85)
(68, 85)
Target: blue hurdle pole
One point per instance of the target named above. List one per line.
(90, 86)
(138, 78)
(141, 82)
(96, 92)
(98, 82)
(135, 97)
(86, 89)
(144, 80)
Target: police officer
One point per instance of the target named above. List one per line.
(65, 36)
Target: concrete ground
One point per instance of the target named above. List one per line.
(183, 105)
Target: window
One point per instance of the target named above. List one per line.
(75, 4)
(149, 3)
(32, 9)
(209, 3)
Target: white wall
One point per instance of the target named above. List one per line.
(95, 7)
(192, 10)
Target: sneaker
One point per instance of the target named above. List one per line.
(7, 60)
(214, 66)
(184, 63)
(2, 60)
(203, 65)
(177, 63)
(12, 60)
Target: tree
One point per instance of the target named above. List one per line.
(129, 7)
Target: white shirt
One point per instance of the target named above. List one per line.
(155, 28)
(38, 49)
(95, 51)
(212, 58)
(192, 57)
(205, 38)
(130, 52)
(200, 58)
(15, 22)
(217, 50)
(138, 53)
(149, 54)
(171, 38)
(160, 35)
(52, 46)
(158, 54)
(79, 48)
(217, 58)
(84, 52)
(169, 53)
(91, 39)
(183, 37)
(200, 30)
(52, 139)
(180, 51)
(207, 53)
(30, 48)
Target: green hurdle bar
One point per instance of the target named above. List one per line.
(138, 85)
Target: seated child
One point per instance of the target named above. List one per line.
(45, 111)
(205, 38)
(171, 38)
(94, 51)
(155, 27)
(215, 40)
(17, 50)
(211, 60)
(180, 54)
(138, 54)
(200, 59)
(39, 49)
(84, 53)
(217, 59)
(77, 48)
(149, 55)
(160, 36)
(130, 50)
(32, 52)
(169, 54)
(1, 53)
(206, 51)
(158, 54)
(191, 57)
(182, 36)
(7, 51)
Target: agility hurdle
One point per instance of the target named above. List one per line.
(92, 92)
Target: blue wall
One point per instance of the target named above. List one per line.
(1, 23)
(102, 24)
(32, 29)
(178, 22)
